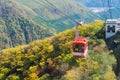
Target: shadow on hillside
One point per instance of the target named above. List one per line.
(112, 44)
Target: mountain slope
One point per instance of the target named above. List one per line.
(23, 22)
(48, 13)
(51, 58)
(17, 27)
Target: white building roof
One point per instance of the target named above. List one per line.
(111, 20)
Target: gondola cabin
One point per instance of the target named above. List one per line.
(112, 27)
(80, 47)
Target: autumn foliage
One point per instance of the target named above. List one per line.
(52, 58)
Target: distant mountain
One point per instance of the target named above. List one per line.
(100, 3)
(114, 7)
(114, 13)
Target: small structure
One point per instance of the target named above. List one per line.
(80, 44)
(112, 27)
(80, 47)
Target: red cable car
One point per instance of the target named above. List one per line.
(80, 46)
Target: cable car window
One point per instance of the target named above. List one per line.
(113, 29)
(108, 28)
(78, 48)
(118, 24)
